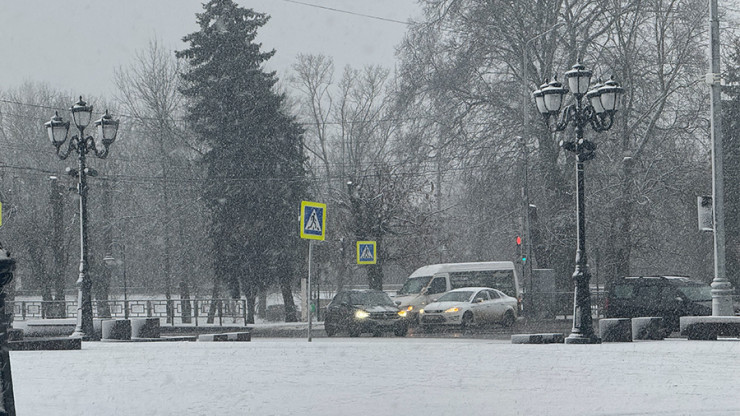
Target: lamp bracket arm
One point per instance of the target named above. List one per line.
(602, 122)
(90, 144)
(72, 145)
(568, 114)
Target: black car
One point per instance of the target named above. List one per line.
(670, 297)
(362, 311)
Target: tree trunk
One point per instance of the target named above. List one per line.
(375, 276)
(624, 224)
(262, 305)
(187, 308)
(251, 303)
(213, 308)
(286, 289)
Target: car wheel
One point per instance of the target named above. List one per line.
(509, 319)
(401, 331)
(354, 331)
(467, 320)
(330, 331)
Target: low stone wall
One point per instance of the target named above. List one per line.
(615, 330)
(116, 329)
(145, 328)
(709, 327)
(648, 328)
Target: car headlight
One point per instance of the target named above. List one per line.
(410, 308)
(452, 310)
(421, 311)
(402, 313)
(361, 314)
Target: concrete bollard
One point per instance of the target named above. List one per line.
(145, 328)
(239, 336)
(615, 330)
(709, 327)
(648, 328)
(229, 336)
(554, 338)
(213, 337)
(116, 329)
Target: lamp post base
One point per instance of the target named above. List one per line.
(83, 336)
(722, 303)
(80, 335)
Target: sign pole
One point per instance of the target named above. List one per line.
(308, 288)
(313, 227)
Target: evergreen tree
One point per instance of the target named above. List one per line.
(254, 162)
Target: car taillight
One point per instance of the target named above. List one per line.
(606, 304)
(519, 303)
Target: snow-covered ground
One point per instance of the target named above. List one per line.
(380, 376)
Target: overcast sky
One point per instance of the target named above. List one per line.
(75, 45)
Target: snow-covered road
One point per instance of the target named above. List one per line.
(381, 376)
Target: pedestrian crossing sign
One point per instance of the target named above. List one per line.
(313, 220)
(366, 252)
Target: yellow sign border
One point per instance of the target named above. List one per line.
(308, 204)
(375, 252)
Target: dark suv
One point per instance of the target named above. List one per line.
(670, 297)
(358, 311)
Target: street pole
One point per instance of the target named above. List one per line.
(7, 265)
(602, 103)
(583, 331)
(125, 282)
(527, 266)
(722, 304)
(58, 130)
(308, 289)
(84, 328)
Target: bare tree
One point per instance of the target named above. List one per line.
(368, 175)
(148, 91)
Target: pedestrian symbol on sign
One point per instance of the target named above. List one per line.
(313, 220)
(366, 252)
(313, 225)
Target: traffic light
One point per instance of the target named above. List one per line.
(519, 247)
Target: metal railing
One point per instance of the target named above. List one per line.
(193, 311)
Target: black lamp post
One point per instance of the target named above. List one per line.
(112, 261)
(58, 131)
(7, 404)
(598, 112)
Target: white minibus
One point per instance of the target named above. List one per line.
(428, 282)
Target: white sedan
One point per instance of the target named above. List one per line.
(470, 306)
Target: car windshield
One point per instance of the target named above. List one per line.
(414, 285)
(371, 299)
(697, 293)
(462, 296)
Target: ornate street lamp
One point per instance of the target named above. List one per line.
(7, 401)
(58, 131)
(598, 111)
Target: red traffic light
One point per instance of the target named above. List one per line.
(518, 240)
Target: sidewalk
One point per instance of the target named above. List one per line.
(382, 376)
